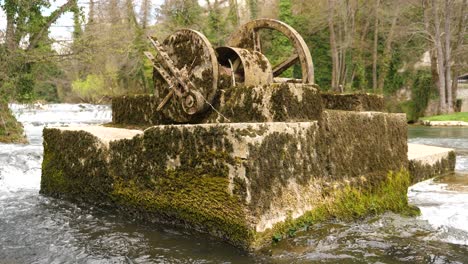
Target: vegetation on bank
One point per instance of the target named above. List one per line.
(11, 131)
(461, 116)
(365, 46)
(352, 203)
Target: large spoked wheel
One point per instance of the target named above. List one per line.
(248, 37)
(195, 58)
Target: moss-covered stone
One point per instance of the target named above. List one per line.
(353, 102)
(421, 171)
(349, 202)
(75, 166)
(136, 110)
(235, 181)
(272, 103)
(11, 131)
(359, 143)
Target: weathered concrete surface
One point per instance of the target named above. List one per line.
(428, 161)
(234, 181)
(105, 134)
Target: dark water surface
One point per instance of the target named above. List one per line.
(38, 229)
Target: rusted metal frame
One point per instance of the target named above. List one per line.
(166, 76)
(181, 79)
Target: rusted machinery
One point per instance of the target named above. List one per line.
(189, 72)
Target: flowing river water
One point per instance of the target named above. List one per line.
(38, 229)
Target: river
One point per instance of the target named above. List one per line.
(38, 229)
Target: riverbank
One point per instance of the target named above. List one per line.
(455, 119)
(11, 131)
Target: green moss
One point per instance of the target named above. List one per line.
(199, 201)
(349, 203)
(179, 175)
(273, 163)
(242, 105)
(287, 107)
(354, 144)
(11, 131)
(137, 110)
(74, 166)
(353, 102)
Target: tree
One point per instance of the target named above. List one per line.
(445, 41)
(26, 45)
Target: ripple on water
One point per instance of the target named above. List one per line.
(37, 229)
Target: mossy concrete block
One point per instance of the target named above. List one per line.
(236, 181)
(272, 103)
(75, 166)
(287, 102)
(426, 162)
(231, 180)
(353, 102)
(360, 143)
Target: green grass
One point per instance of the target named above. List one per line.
(462, 116)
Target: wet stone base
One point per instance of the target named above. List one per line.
(238, 181)
(426, 162)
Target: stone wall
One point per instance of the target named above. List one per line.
(234, 181)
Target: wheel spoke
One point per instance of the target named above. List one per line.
(165, 100)
(286, 64)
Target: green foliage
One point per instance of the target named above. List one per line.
(395, 79)
(180, 13)
(319, 46)
(27, 74)
(253, 7)
(421, 89)
(91, 88)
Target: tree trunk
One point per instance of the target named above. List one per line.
(374, 50)
(35, 38)
(91, 13)
(333, 46)
(10, 27)
(440, 58)
(448, 57)
(145, 13)
(386, 56)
